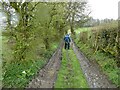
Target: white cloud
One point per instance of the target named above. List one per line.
(102, 9)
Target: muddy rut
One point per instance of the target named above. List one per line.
(95, 78)
(47, 76)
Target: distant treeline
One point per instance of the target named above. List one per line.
(95, 22)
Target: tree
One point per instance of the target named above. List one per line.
(21, 34)
(51, 22)
(76, 14)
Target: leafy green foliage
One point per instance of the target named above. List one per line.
(29, 45)
(103, 37)
(17, 75)
(76, 14)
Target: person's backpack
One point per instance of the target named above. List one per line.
(67, 39)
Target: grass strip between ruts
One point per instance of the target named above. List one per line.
(70, 74)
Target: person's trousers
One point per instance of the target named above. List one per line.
(67, 45)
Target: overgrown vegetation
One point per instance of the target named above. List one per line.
(100, 44)
(70, 74)
(18, 74)
(103, 37)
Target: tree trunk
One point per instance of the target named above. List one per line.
(46, 42)
(72, 28)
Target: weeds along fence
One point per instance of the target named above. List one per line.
(103, 37)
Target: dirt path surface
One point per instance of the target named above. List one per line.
(94, 77)
(47, 76)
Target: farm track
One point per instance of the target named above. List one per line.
(47, 76)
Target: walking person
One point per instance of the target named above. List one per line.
(67, 41)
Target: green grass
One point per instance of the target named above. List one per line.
(77, 31)
(18, 74)
(70, 74)
(107, 63)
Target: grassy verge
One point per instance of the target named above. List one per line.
(70, 74)
(18, 74)
(106, 62)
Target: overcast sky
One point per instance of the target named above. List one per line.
(102, 9)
